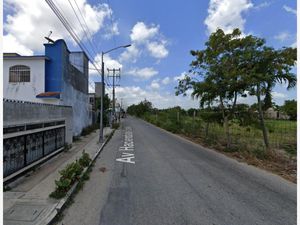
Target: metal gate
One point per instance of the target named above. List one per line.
(21, 151)
(13, 154)
(34, 147)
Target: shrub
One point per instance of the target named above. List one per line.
(89, 129)
(115, 125)
(85, 159)
(70, 175)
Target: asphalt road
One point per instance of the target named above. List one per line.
(174, 181)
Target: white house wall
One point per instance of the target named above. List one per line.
(26, 91)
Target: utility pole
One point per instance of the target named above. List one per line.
(102, 96)
(114, 85)
(121, 108)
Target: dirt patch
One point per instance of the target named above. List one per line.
(279, 162)
(102, 169)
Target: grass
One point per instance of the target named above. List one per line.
(282, 133)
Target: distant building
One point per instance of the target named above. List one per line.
(271, 113)
(98, 89)
(92, 101)
(59, 77)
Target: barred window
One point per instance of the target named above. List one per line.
(19, 73)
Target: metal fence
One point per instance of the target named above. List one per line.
(282, 134)
(23, 150)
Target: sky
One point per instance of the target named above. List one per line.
(161, 33)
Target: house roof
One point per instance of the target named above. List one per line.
(22, 57)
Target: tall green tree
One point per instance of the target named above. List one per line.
(290, 108)
(264, 67)
(140, 109)
(216, 76)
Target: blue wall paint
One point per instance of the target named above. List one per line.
(59, 56)
(61, 76)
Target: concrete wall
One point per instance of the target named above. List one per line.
(80, 61)
(19, 113)
(80, 106)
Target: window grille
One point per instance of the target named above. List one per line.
(19, 73)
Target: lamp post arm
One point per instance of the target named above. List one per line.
(122, 46)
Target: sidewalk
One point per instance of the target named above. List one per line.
(28, 202)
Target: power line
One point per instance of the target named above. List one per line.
(84, 30)
(73, 34)
(84, 21)
(71, 31)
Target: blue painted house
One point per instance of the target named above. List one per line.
(58, 77)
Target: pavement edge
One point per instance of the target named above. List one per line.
(50, 219)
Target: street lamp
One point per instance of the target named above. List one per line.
(102, 94)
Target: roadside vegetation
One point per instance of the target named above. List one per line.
(232, 67)
(71, 174)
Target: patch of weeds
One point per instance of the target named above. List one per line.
(76, 138)
(116, 126)
(89, 129)
(67, 147)
(231, 149)
(290, 149)
(209, 141)
(260, 153)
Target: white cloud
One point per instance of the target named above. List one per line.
(131, 53)
(226, 14)
(157, 50)
(144, 73)
(134, 95)
(289, 9)
(31, 20)
(108, 63)
(141, 32)
(166, 80)
(180, 77)
(155, 85)
(145, 39)
(112, 30)
(12, 45)
(278, 95)
(262, 5)
(283, 36)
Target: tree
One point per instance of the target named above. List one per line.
(264, 67)
(140, 109)
(290, 108)
(220, 74)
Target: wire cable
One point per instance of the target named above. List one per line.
(84, 30)
(71, 31)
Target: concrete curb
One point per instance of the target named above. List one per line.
(62, 203)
